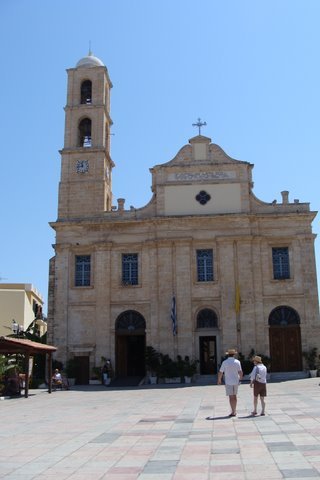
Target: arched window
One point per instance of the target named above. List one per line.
(131, 322)
(85, 133)
(283, 316)
(86, 92)
(207, 318)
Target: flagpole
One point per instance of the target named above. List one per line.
(237, 307)
(237, 299)
(173, 316)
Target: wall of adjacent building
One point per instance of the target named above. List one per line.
(17, 302)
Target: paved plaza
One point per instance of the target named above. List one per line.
(161, 433)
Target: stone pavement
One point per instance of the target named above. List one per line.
(161, 433)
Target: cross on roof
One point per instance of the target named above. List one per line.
(199, 124)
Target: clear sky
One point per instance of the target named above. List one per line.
(249, 68)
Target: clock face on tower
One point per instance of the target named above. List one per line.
(82, 166)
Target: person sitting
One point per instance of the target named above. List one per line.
(57, 379)
(60, 381)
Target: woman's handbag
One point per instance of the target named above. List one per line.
(257, 377)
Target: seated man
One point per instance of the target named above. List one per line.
(60, 380)
(57, 379)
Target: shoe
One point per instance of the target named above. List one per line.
(262, 414)
(253, 413)
(232, 415)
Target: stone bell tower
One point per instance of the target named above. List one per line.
(86, 165)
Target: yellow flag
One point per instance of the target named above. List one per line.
(238, 299)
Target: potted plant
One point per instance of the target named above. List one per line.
(96, 376)
(71, 371)
(312, 360)
(189, 368)
(152, 360)
(169, 369)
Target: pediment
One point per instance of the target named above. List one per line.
(200, 151)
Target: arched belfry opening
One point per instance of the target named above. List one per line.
(207, 325)
(85, 133)
(86, 92)
(130, 344)
(285, 340)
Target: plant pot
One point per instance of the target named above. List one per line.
(94, 381)
(187, 379)
(71, 381)
(313, 373)
(172, 380)
(153, 380)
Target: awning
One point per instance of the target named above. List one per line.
(11, 345)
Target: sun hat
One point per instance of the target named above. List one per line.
(231, 351)
(257, 359)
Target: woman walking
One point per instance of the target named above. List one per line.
(258, 380)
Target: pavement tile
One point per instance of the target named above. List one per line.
(122, 476)
(300, 473)
(161, 433)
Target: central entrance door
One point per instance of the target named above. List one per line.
(208, 356)
(207, 320)
(130, 345)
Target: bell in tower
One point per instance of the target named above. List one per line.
(86, 165)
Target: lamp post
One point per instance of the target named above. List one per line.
(16, 328)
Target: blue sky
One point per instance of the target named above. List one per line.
(249, 68)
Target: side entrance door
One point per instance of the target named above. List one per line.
(285, 348)
(82, 370)
(130, 356)
(130, 344)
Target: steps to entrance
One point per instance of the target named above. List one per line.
(283, 376)
(212, 379)
(205, 379)
(273, 377)
(126, 382)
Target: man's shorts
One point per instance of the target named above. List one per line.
(231, 390)
(259, 389)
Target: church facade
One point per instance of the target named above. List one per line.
(203, 267)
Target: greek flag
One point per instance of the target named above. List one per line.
(174, 316)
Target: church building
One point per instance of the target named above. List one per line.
(203, 267)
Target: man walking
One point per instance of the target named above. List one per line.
(232, 371)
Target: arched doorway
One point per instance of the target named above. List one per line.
(130, 345)
(285, 340)
(207, 322)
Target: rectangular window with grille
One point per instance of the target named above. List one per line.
(82, 270)
(280, 261)
(204, 265)
(130, 269)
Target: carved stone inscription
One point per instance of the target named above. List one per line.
(183, 177)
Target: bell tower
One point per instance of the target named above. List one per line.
(86, 165)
